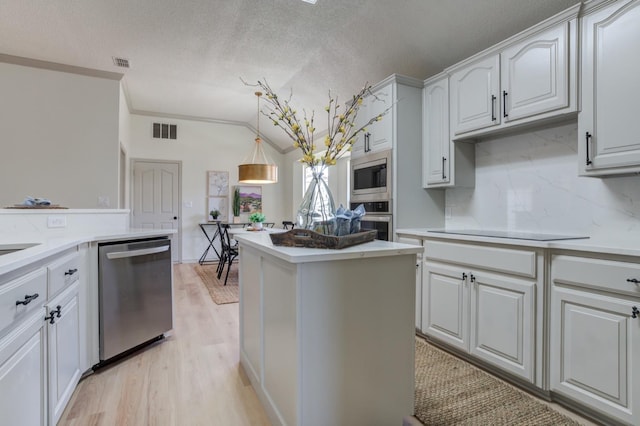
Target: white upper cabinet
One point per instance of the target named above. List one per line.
(444, 164)
(435, 133)
(474, 96)
(535, 74)
(379, 134)
(527, 78)
(609, 128)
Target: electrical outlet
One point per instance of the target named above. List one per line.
(57, 221)
(103, 201)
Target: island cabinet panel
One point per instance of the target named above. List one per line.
(336, 331)
(250, 314)
(280, 338)
(608, 124)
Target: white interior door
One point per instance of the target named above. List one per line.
(156, 198)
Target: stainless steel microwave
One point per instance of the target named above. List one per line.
(371, 177)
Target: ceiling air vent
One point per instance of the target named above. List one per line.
(165, 131)
(121, 62)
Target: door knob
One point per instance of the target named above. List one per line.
(175, 218)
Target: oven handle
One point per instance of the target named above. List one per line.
(372, 218)
(133, 253)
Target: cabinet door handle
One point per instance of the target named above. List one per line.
(464, 276)
(504, 102)
(71, 272)
(56, 313)
(493, 107)
(472, 278)
(443, 161)
(27, 299)
(588, 141)
(634, 312)
(633, 280)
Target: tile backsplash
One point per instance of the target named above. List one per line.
(529, 182)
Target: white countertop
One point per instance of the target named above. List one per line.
(47, 246)
(626, 245)
(375, 248)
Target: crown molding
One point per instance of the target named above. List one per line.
(55, 66)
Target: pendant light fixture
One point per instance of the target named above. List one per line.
(256, 168)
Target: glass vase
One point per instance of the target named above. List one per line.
(317, 210)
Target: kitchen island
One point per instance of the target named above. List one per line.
(327, 336)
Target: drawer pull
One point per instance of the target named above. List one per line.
(27, 299)
(56, 313)
(71, 272)
(634, 312)
(472, 278)
(633, 280)
(464, 276)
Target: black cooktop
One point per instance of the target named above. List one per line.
(509, 234)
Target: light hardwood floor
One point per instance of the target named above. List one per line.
(191, 378)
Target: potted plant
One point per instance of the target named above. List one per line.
(256, 220)
(214, 214)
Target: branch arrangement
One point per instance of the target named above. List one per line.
(341, 129)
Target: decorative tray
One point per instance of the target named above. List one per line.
(310, 239)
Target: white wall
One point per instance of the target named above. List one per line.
(124, 135)
(59, 137)
(529, 182)
(203, 146)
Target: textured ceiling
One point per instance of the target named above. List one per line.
(187, 56)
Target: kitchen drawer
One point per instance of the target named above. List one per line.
(512, 261)
(30, 289)
(607, 275)
(63, 272)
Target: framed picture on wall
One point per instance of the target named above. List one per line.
(221, 204)
(250, 200)
(217, 183)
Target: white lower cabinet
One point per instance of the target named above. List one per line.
(490, 315)
(63, 328)
(40, 340)
(595, 335)
(22, 373)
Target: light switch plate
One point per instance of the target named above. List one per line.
(57, 221)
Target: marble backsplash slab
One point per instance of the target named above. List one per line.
(529, 182)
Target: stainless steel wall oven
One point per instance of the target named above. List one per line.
(378, 217)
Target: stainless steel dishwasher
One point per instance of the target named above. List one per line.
(135, 295)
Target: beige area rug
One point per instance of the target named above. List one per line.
(450, 391)
(219, 292)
